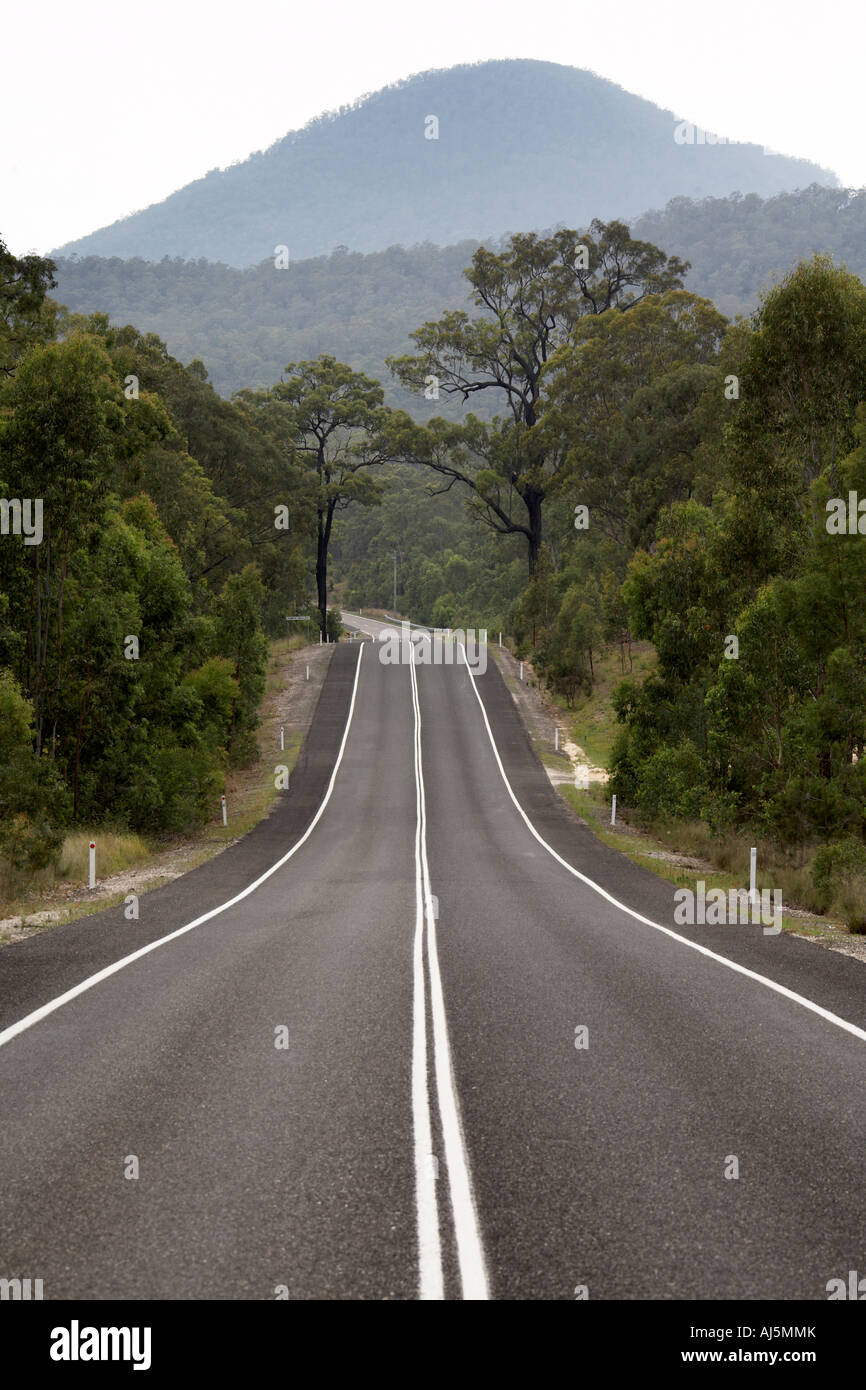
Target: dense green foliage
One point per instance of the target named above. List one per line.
(133, 618)
(757, 713)
(448, 573)
(520, 144)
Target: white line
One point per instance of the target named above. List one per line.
(656, 926)
(38, 1014)
(430, 1278)
(467, 1234)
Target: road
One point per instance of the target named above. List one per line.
(339, 1061)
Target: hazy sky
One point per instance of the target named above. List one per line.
(110, 106)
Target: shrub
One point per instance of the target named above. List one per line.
(672, 783)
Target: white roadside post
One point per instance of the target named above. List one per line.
(556, 740)
(500, 639)
(282, 737)
(92, 882)
(521, 670)
(223, 804)
(308, 673)
(753, 876)
(613, 810)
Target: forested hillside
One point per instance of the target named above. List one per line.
(738, 244)
(245, 325)
(473, 151)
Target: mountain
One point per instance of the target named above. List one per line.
(247, 325)
(518, 145)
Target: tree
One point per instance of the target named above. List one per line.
(531, 296)
(33, 801)
(803, 375)
(332, 418)
(623, 406)
(26, 316)
(65, 410)
(240, 637)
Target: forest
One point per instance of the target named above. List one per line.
(628, 465)
(245, 325)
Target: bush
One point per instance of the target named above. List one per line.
(672, 783)
(838, 863)
(33, 799)
(839, 875)
(852, 903)
(334, 625)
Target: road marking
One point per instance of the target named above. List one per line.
(38, 1014)
(656, 926)
(430, 1278)
(470, 1253)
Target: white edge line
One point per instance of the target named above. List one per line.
(45, 1009)
(470, 1251)
(430, 1277)
(675, 936)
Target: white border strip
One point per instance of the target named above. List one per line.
(38, 1014)
(467, 1234)
(656, 926)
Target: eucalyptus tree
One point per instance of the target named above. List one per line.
(530, 296)
(331, 419)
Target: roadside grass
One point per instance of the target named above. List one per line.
(118, 851)
(727, 858)
(558, 761)
(592, 723)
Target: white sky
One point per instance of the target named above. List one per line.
(110, 106)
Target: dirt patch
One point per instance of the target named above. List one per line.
(541, 718)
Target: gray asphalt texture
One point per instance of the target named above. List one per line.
(261, 1166)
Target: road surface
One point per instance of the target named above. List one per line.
(419, 1035)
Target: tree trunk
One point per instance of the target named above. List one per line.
(533, 500)
(322, 577)
(326, 521)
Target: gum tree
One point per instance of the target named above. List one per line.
(332, 420)
(530, 296)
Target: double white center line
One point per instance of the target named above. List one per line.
(470, 1254)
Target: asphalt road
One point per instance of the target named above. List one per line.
(355, 1076)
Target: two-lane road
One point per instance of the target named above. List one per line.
(356, 1075)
